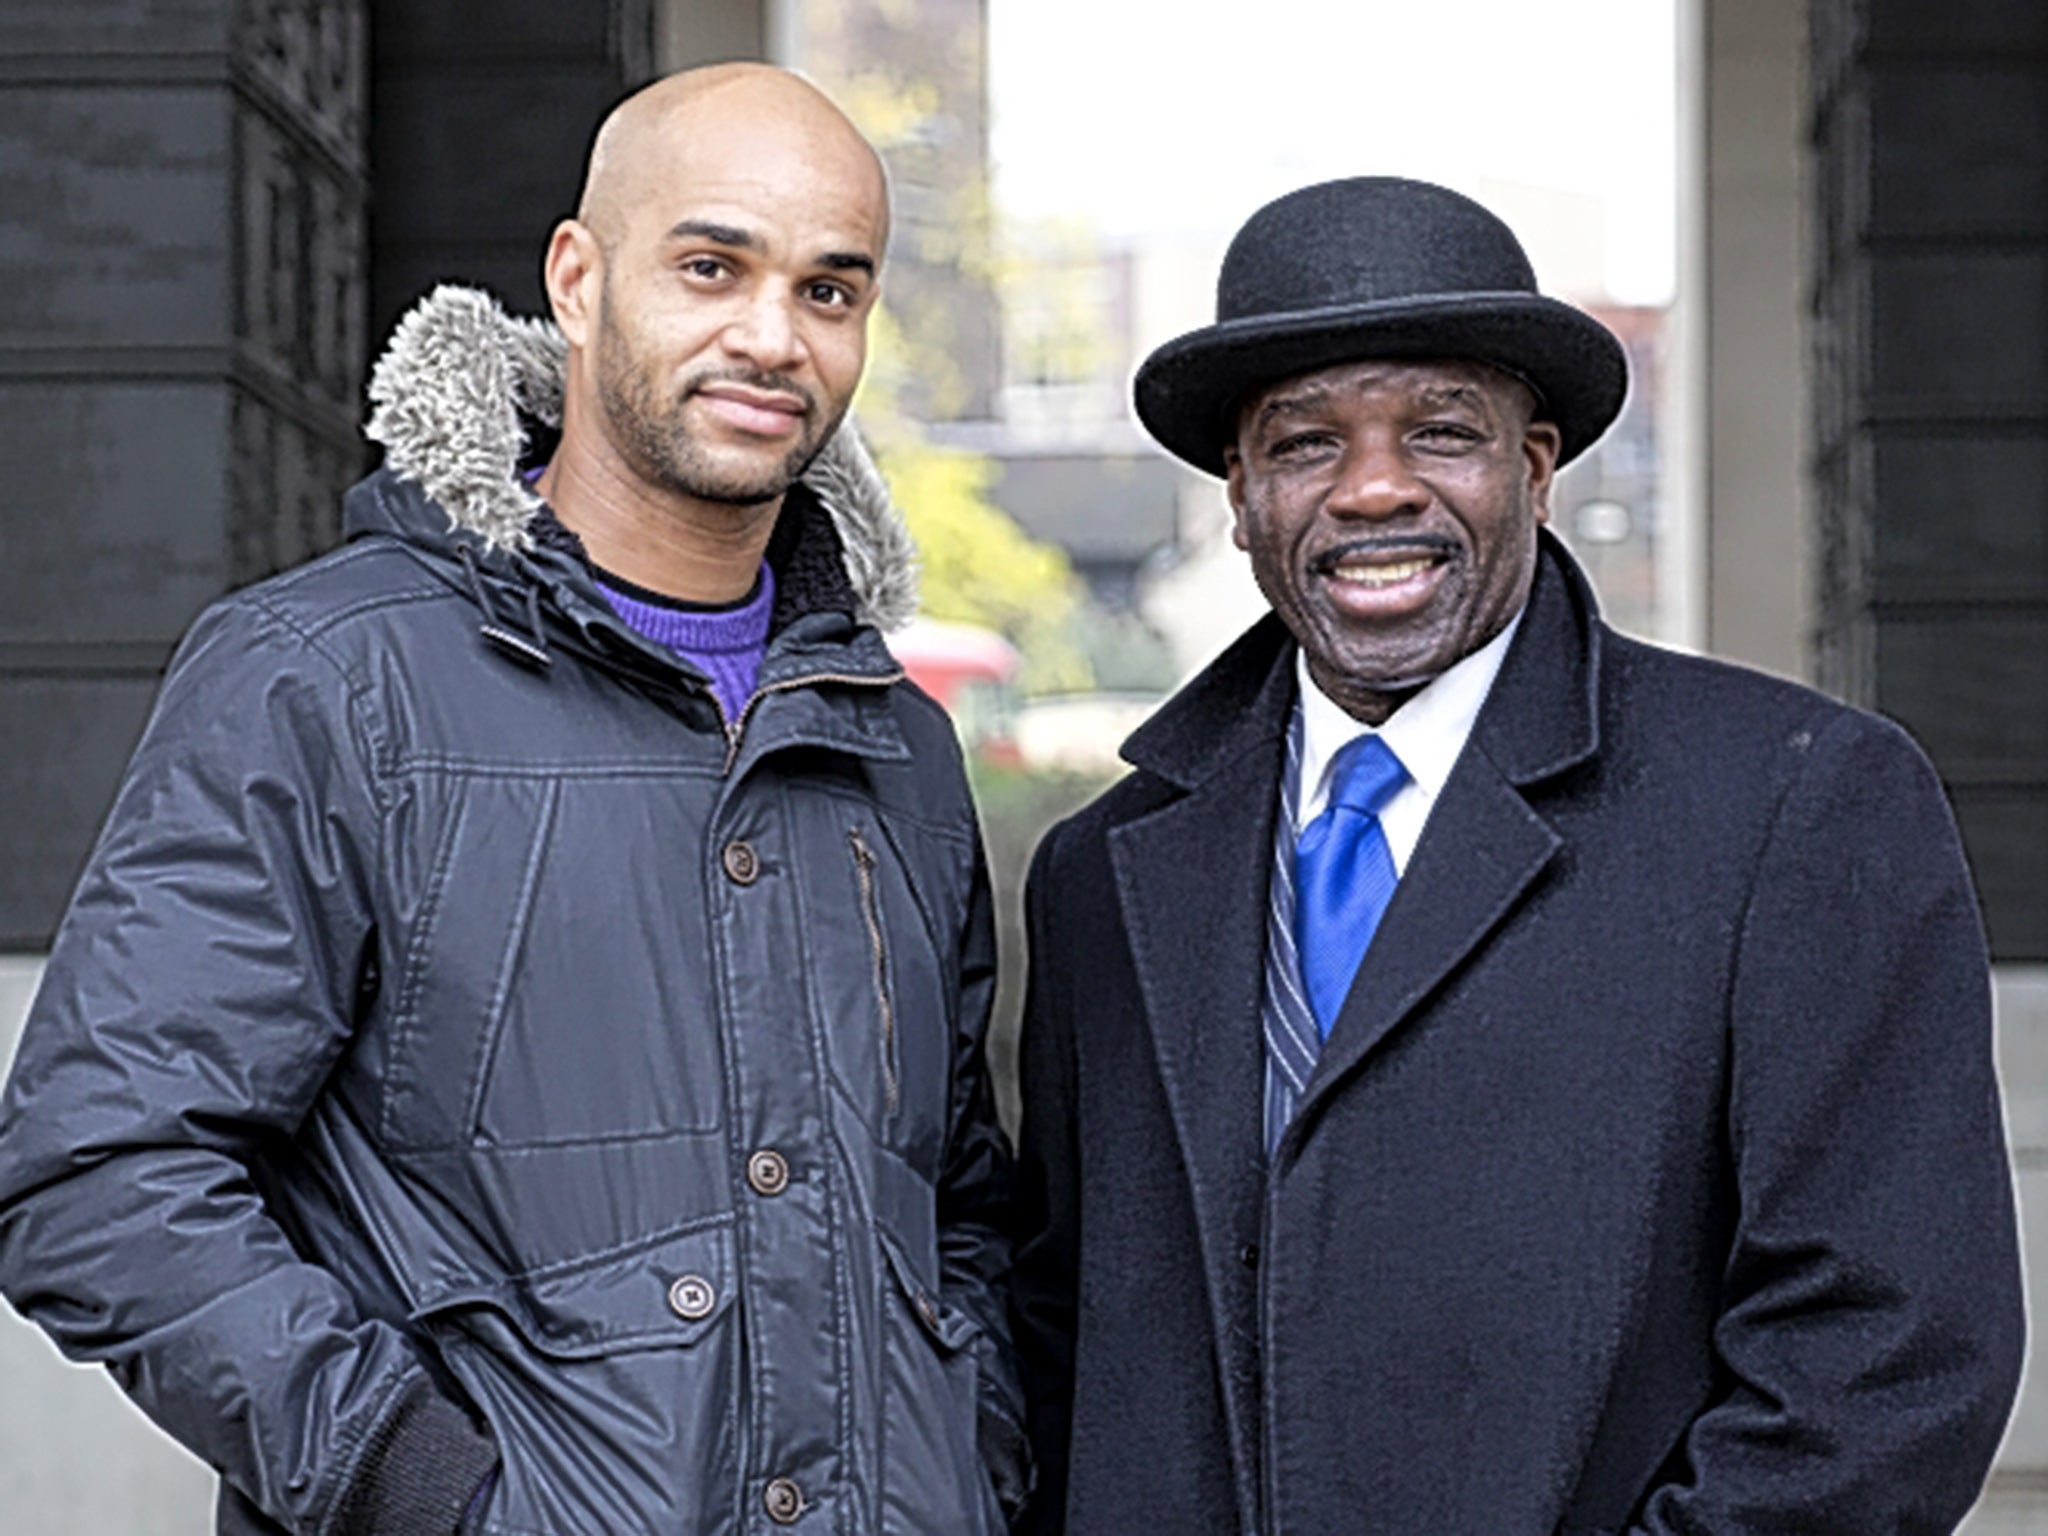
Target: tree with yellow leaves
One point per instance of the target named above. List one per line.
(976, 566)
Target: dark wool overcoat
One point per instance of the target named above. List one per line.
(1652, 1179)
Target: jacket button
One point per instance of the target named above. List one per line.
(742, 864)
(768, 1172)
(692, 1298)
(783, 1500)
(1248, 1255)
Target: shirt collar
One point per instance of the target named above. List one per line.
(1427, 733)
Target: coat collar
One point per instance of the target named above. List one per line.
(1543, 716)
(1238, 702)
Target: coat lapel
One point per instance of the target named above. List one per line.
(1191, 878)
(1485, 845)
(1483, 850)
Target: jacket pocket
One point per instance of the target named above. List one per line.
(550, 982)
(881, 980)
(599, 1016)
(607, 1386)
(933, 1481)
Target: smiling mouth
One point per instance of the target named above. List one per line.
(755, 412)
(764, 399)
(1379, 573)
(1375, 564)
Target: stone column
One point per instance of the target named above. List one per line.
(182, 204)
(1750, 274)
(1930, 299)
(1930, 286)
(482, 113)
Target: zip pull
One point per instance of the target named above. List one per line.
(528, 652)
(864, 869)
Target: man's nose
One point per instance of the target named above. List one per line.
(765, 331)
(1376, 480)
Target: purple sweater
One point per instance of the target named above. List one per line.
(727, 642)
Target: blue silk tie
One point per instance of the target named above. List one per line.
(1344, 874)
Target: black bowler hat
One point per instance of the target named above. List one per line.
(1376, 267)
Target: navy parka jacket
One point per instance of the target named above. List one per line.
(465, 1049)
(1651, 1181)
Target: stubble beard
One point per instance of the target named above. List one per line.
(1371, 687)
(657, 443)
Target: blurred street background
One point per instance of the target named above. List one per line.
(1819, 226)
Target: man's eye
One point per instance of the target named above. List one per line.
(1296, 444)
(1446, 432)
(705, 267)
(832, 295)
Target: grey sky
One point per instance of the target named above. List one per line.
(1147, 119)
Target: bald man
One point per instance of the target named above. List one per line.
(514, 1062)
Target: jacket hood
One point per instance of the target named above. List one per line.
(452, 399)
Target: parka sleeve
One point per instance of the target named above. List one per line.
(1871, 1329)
(199, 992)
(974, 1206)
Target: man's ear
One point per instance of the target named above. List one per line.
(573, 271)
(1233, 484)
(1541, 444)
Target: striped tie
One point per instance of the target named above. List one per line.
(1292, 1040)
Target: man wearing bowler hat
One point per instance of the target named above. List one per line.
(1486, 1076)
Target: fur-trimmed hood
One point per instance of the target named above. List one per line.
(452, 398)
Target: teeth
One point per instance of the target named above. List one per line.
(1381, 575)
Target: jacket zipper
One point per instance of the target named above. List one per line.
(864, 868)
(735, 729)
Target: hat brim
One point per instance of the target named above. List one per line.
(1187, 391)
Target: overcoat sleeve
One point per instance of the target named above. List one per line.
(1870, 1330)
(198, 994)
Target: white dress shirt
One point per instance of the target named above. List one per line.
(1427, 734)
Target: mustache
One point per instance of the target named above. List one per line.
(753, 378)
(1434, 545)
